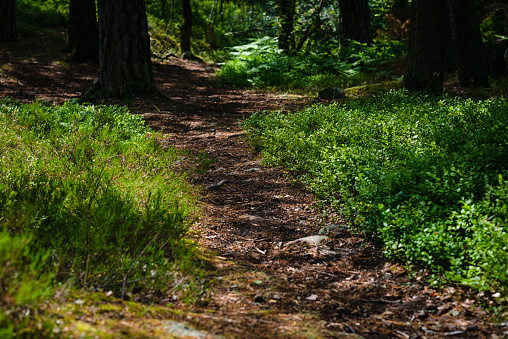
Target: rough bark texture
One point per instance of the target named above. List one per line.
(427, 40)
(186, 27)
(8, 20)
(472, 69)
(286, 38)
(83, 32)
(354, 21)
(125, 67)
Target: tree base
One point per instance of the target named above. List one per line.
(190, 56)
(98, 91)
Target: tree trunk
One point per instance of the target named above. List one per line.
(427, 41)
(186, 27)
(83, 33)
(472, 69)
(354, 21)
(221, 10)
(8, 20)
(286, 16)
(164, 11)
(125, 67)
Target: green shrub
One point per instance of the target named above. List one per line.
(260, 64)
(96, 188)
(35, 15)
(24, 286)
(404, 169)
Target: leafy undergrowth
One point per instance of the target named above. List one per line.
(89, 198)
(260, 64)
(425, 176)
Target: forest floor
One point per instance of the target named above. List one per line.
(264, 283)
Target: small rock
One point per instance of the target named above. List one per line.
(176, 329)
(314, 240)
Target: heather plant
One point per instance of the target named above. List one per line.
(94, 187)
(25, 281)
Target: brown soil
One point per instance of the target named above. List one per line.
(264, 286)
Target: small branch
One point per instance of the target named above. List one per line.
(314, 24)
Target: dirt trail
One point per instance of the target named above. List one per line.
(267, 285)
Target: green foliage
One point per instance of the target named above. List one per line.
(260, 64)
(494, 25)
(93, 186)
(35, 15)
(25, 285)
(419, 174)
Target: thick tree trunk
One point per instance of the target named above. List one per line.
(83, 33)
(472, 68)
(8, 20)
(186, 27)
(427, 41)
(125, 67)
(354, 21)
(286, 38)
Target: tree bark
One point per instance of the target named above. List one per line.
(83, 32)
(427, 42)
(186, 27)
(125, 67)
(286, 38)
(8, 20)
(472, 68)
(354, 21)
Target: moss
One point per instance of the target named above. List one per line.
(373, 89)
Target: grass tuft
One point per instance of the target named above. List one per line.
(93, 198)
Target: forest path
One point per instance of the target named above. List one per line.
(264, 284)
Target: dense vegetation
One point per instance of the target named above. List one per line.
(425, 176)
(88, 196)
(260, 64)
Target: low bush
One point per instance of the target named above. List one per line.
(260, 64)
(41, 16)
(25, 286)
(420, 174)
(93, 186)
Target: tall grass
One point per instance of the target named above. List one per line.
(96, 193)
(425, 176)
